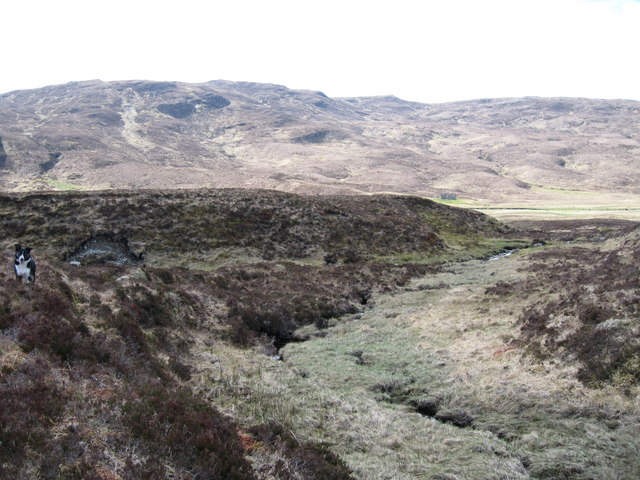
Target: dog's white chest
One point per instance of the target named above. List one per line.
(23, 270)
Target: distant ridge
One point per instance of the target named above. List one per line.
(143, 134)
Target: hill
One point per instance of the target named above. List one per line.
(206, 228)
(139, 134)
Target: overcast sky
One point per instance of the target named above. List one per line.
(423, 50)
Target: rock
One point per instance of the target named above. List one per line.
(214, 102)
(102, 249)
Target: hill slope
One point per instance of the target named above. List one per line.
(207, 228)
(105, 363)
(179, 346)
(224, 134)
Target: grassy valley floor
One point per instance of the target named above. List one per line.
(429, 383)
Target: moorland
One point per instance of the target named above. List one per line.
(343, 333)
(252, 334)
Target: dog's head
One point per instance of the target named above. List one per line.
(23, 254)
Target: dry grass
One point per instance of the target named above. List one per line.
(445, 338)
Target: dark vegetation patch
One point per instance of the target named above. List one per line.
(31, 403)
(214, 102)
(278, 301)
(560, 107)
(256, 300)
(185, 109)
(177, 110)
(316, 137)
(426, 406)
(178, 425)
(107, 118)
(54, 158)
(3, 155)
(457, 418)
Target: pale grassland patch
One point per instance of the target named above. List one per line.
(376, 439)
(511, 213)
(461, 202)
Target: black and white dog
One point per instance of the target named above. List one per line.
(24, 265)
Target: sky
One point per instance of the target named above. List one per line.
(422, 50)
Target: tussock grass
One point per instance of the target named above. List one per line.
(378, 440)
(358, 384)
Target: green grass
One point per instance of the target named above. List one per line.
(62, 186)
(459, 202)
(461, 248)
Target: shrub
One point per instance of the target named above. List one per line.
(193, 432)
(279, 301)
(604, 289)
(42, 331)
(50, 323)
(301, 460)
(31, 401)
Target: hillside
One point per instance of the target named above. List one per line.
(138, 134)
(209, 334)
(207, 228)
(101, 361)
